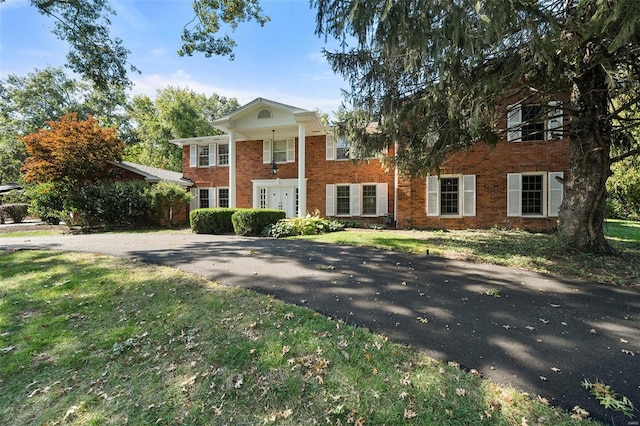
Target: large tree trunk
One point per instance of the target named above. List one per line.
(582, 214)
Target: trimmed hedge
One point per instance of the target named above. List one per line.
(253, 221)
(212, 221)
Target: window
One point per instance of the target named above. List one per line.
(203, 155)
(342, 149)
(204, 198)
(280, 151)
(264, 113)
(534, 194)
(343, 200)
(451, 195)
(263, 198)
(449, 200)
(357, 199)
(531, 122)
(223, 155)
(369, 204)
(223, 197)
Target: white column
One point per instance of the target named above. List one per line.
(232, 169)
(302, 181)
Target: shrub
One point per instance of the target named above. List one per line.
(47, 202)
(308, 225)
(253, 221)
(211, 221)
(112, 204)
(17, 212)
(168, 199)
(623, 187)
(15, 197)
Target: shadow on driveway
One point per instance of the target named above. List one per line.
(540, 334)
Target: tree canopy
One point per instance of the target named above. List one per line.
(71, 151)
(438, 75)
(174, 113)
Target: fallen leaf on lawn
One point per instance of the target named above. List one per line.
(544, 321)
(543, 378)
(409, 413)
(423, 320)
(624, 351)
(530, 328)
(623, 340)
(374, 371)
(506, 326)
(564, 323)
(553, 305)
(461, 391)
(579, 413)
(285, 349)
(593, 331)
(555, 369)
(7, 349)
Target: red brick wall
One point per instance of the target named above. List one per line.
(319, 172)
(490, 165)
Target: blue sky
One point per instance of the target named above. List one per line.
(281, 61)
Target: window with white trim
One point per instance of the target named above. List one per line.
(357, 199)
(223, 154)
(343, 200)
(203, 198)
(369, 200)
(204, 155)
(451, 195)
(280, 151)
(532, 122)
(223, 197)
(535, 194)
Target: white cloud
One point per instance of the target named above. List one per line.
(149, 84)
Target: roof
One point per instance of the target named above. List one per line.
(154, 174)
(9, 187)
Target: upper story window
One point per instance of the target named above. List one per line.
(209, 155)
(533, 122)
(203, 155)
(282, 151)
(342, 149)
(223, 155)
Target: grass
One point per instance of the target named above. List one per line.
(623, 230)
(93, 340)
(519, 249)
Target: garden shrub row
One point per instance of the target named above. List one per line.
(226, 220)
(110, 204)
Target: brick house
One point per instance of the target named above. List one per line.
(278, 156)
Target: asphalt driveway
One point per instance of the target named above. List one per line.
(540, 334)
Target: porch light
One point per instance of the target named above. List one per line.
(273, 167)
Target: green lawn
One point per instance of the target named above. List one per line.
(93, 340)
(519, 249)
(623, 230)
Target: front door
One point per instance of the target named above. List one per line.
(282, 198)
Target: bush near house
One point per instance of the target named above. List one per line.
(253, 221)
(47, 201)
(16, 212)
(308, 225)
(212, 220)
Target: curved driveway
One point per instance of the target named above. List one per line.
(543, 335)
